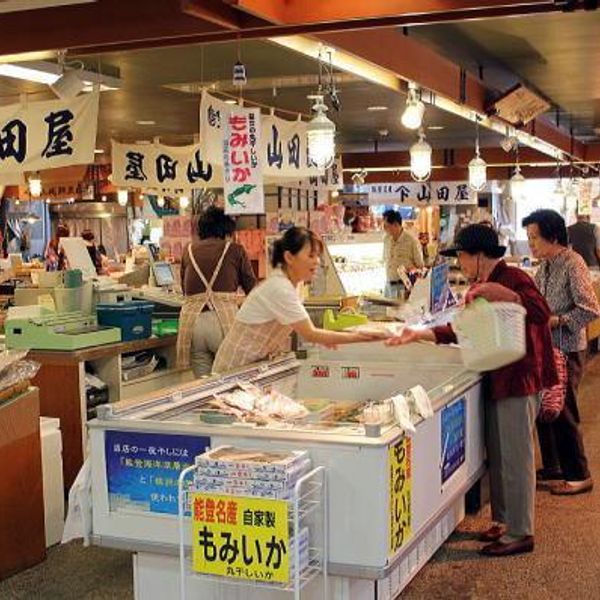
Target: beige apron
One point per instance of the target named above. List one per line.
(249, 343)
(225, 305)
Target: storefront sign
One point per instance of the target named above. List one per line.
(45, 135)
(142, 469)
(242, 165)
(157, 166)
(331, 179)
(240, 537)
(283, 144)
(400, 485)
(435, 193)
(454, 427)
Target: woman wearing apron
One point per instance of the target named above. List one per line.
(212, 270)
(274, 309)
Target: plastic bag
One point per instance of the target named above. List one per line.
(402, 413)
(553, 398)
(79, 515)
(419, 401)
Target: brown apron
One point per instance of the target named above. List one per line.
(249, 343)
(225, 305)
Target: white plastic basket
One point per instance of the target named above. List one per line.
(491, 334)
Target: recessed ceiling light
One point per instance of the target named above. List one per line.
(230, 101)
(146, 122)
(98, 151)
(376, 108)
(435, 127)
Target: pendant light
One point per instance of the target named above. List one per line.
(517, 181)
(412, 117)
(320, 134)
(35, 186)
(477, 166)
(184, 202)
(420, 159)
(160, 201)
(558, 194)
(122, 197)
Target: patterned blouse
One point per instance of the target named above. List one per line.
(566, 284)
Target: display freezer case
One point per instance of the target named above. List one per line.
(393, 497)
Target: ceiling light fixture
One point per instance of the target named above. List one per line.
(160, 201)
(148, 122)
(68, 85)
(517, 184)
(98, 151)
(420, 159)
(320, 134)
(436, 127)
(49, 73)
(412, 117)
(477, 166)
(376, 108)
(122, 197)
(35, 186)
(230, 101)
(184, 202)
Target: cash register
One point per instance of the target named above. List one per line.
(36, 328)
(167, 301)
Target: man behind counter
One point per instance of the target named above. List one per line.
(400, 249)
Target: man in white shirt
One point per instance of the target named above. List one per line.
(400, 250)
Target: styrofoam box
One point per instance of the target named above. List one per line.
(52, 474)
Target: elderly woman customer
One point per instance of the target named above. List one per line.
(564, 280)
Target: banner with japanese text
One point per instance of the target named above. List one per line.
(283, 148)
(437, 193)
(400, 486)
(242, 164)
(240, 537)
(331, 179)
(44, 135)
(156, 166)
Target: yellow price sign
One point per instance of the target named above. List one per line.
(400, 479)
(241, 537)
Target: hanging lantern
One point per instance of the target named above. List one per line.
(420, 159)
(122, 197)
(517, 184)
(320, 134)
(35, 186)
(239, 74)
(477, 173)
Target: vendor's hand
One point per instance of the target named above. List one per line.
(554, 321)
(408, 336)
(492, 292)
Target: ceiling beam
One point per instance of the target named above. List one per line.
(214, 11)
(352, 13)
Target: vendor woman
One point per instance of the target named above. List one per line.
(212, 270)
(274, 309)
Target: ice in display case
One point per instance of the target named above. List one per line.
(401, 494)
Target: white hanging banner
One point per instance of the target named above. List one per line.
(242, 164)
(434, 193)
(283, 148)
(331, 179)
(44, 135)
(156, 166)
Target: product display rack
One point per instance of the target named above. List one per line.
(309, 509)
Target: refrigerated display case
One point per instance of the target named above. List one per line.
(393, 496)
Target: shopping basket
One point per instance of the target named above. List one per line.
(491, 334)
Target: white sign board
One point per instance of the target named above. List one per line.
(437, 193)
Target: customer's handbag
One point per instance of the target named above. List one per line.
(553, 398)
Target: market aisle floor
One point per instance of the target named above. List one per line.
(564, 564)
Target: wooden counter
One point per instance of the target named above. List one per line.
(22, 536)
(61, 381)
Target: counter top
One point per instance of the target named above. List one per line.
(94, 352)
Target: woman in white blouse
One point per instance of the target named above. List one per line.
(263, 325)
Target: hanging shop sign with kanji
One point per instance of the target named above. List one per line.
(436, 193)
(44, 135)
(242, 165)
(156, 166)
(283, 145)
(400, 486)
(240, 537)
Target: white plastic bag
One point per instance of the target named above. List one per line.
(79, 515)
(420, 402)
(402, 413)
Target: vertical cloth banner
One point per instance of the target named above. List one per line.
(400, 486)
(242, 164)
(44, 135)
(283, 147)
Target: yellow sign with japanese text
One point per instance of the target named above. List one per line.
(240, 537)
(400, 478)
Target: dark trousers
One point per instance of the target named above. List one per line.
(561, 442)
